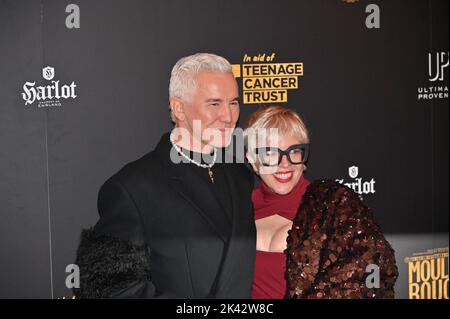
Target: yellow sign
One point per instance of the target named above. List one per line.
(267, 82)
(428, 274)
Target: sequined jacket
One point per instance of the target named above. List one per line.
(335, 249)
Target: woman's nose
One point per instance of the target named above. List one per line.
(284, 161)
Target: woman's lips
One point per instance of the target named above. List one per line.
(283, 177)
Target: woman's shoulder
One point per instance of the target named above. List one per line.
(327, 186)
(331, 192)
(333, 200)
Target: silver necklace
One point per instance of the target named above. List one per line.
(208, 166)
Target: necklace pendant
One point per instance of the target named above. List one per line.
(211, 177)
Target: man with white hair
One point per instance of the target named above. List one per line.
(176, 223)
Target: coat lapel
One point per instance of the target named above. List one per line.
(238, 231)
(202, 199)
(193, 189)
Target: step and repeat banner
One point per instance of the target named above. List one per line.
(84, 90)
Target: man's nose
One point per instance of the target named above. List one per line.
(225, 114)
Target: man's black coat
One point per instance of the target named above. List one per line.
(163, 234)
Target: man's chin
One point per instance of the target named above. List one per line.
(221, 143)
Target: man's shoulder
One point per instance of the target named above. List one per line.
(149, 166)
(144, 167)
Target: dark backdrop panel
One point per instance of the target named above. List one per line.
(120, 111)
(25, 255)
(439, 108)
(358, 97)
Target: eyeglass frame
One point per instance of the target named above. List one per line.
(304, 147)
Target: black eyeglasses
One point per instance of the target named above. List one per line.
(272, 156)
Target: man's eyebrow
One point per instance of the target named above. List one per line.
(214, 100)
(220, 100)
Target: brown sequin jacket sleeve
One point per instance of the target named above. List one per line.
(333, 240)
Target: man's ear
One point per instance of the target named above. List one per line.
(177, 107)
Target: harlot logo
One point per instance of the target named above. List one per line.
(358, 185)
(48, 95)
(267, 81)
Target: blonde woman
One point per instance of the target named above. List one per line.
(314, 240)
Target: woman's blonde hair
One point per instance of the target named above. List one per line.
(286, 120)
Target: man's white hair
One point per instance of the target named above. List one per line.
(183, 77)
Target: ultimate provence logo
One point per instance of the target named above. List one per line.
(437, 87)
(48, 95)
